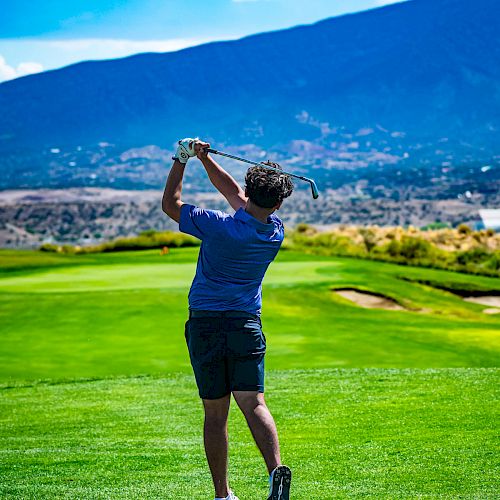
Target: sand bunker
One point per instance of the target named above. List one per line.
(369, 300)
(485, 300)
(491, 310)
(493, 301)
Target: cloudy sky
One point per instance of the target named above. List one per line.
(40, 35)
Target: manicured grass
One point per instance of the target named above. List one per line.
(369, 403)
(374, 433)
(18, 261)
(123, 314)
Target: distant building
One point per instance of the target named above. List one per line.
(490, 218)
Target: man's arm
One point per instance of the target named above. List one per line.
(223, 181)
(171, 202)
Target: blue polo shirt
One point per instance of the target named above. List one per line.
(234, 255)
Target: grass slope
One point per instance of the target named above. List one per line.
(371, 433)
(123, 314)
(369, 403)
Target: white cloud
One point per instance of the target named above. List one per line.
(381, 3)
(28, 68)
(53, 54)
(6, 72)
(56, 53)
(24, 68)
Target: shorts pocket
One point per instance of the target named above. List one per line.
(251, 341)
(261, 330)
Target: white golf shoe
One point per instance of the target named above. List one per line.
(231, 496)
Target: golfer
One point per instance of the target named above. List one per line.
(224, 331)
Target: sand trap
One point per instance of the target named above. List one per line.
(491, 310)
(368, 299)
(485, 300)
(493, 301)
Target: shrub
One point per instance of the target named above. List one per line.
(369, 238)
(393, 248)
(305, 229)
(473, 256)
(493, 262)
(146, 240)
(402, 247)
(415, 248)
(302, 228)
(464, 229)
(49, 247)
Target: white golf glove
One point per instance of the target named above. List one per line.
(185, 149)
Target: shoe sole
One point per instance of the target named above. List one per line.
(281, 484)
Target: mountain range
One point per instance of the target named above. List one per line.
(416, 82)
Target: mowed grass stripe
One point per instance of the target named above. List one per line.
(346, 433)
(127, 331)
(132, 277)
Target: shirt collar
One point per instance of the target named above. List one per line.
(241, 214)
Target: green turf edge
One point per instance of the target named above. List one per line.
(346, 433)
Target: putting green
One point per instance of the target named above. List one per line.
(123, 314)
(139, 276)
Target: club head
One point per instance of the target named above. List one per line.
(314, 189)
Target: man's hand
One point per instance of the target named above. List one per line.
(221, 179)
(200, 149)
(189, 147)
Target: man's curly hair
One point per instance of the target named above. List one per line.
(265, 187)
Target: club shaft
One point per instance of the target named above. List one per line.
(314, 189)
(258, 164)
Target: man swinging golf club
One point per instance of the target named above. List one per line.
(224, 331)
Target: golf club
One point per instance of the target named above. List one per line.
(314, 188)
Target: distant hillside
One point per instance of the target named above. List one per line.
(429, 67)
(402, 95)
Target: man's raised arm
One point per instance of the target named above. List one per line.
(222, 180)
(171, 203)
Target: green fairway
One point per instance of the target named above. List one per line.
(98, 399)
(346, 433)
(153, 276)
(123, 314)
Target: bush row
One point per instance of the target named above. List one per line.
(403, 249)
(145, 240)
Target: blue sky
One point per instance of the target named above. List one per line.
(40, 35)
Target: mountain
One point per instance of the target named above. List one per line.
(422, 72)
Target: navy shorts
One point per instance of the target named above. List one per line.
(227, 351)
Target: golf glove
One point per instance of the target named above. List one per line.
(185, 149)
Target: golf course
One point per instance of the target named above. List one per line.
(98, 399)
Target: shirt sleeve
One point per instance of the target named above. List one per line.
(201, 223)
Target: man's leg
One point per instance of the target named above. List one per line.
(216, 441)
(261, 425)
